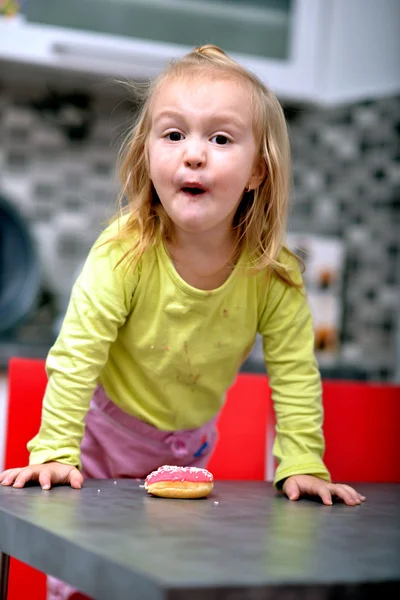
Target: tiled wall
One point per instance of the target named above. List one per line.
(57, 164)
(347, 184)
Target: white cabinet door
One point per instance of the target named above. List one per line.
(340, 51)
(296, 77)
(362, 52)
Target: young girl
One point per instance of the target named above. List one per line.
(174, 292)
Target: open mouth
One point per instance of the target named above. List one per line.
(193, 191)
(194, 188)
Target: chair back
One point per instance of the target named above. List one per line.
(361, 426)
(26, 386)
(242, 450)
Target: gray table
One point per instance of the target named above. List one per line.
(112, 540)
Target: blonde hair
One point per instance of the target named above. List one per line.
(260, 221)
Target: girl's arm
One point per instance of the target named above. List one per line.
(100, 303)
(288, 340)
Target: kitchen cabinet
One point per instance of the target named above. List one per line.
(320, 51)
(255, 27)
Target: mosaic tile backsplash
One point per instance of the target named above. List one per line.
(57, 165)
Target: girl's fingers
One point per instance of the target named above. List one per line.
(324, 492)
(358, 497)
(346, 493)
(75, 479)
(47, 474)
(354, 494)
(298, 485)
(24, 476)
(9, 476)
(45, 480)
(291, 489)
(3, 475)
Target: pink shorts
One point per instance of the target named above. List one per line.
(116, 445)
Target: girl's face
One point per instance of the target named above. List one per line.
(202, 152)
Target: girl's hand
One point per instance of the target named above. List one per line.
(46, 474)
(299, 485)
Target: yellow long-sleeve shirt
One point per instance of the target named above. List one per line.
(166, 353)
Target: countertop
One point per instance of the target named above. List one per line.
(112, 540)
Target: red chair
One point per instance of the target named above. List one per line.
(26, 385)
(361, 431)
(360, 427)
(243, 450)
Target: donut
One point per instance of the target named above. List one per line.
(179, 482)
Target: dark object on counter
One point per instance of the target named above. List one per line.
(19, 268)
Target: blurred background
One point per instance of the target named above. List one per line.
(335, 66)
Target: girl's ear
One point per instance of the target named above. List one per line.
(259, 172)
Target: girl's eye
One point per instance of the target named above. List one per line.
(174, 136)
(219, 139)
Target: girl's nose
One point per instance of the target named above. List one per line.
(190, 162)
(195, 155)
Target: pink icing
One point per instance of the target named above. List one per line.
(170, 473)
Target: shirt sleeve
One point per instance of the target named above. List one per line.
(288, 343)
(100, 303)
